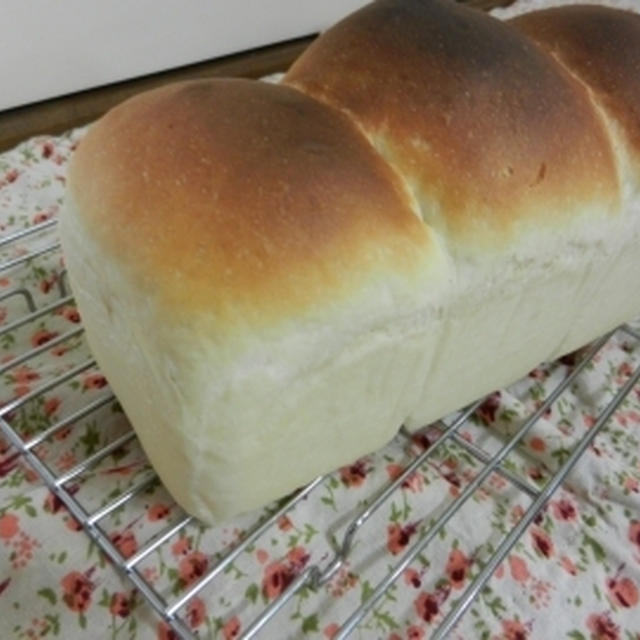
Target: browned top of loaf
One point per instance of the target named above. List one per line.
(244, 198)
(488, 128)
(601, 46)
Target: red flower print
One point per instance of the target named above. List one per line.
(488, 409)
(41, 216)
(47, 149)
(623, 592)
(120, 605)
(542, 542)
(457, 565)
(634, 532)
(568, 565)
(196, 613)
(355, 474)
(277, 577)
(538, 374)
(518, 568)
(412, 577)
(181, 546)
(164, 632)
(95, 381)
(537, 444)
(51, 406)
(158, 511)
(589, 421)
(24, 374)
(413, 482)
(513, 630)
(231, 629)
(415, 632)
(564, 510)
(9, 526)
(625, 370)
(330, 630)
(427, 605)
(279, 574)
(284, 523)
(11, 175)
(298, 557)
(42, 337)
(71, 314)
(76, 588)
(631, 484)
(602, 627)
(398, 537)
(125, 542)
(192, 567)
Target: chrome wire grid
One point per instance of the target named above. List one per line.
(172, 610)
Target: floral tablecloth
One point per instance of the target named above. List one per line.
(574, 574)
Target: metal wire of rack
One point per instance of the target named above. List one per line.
(316, 574)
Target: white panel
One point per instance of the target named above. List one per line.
(54, 47)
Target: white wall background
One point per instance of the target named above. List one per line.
(50, 48)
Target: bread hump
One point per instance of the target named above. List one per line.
(274, 278)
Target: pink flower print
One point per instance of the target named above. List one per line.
(518, 568)
(568, 565)
(9, 526)
(398, 537)
(125, 542)
(42, 337)
(513, 630)
(158, 511)
(231, 629)
(192, 567)
(76, 591)
(196, 613)
(588, 420)
(564, 509)
(457, 565)
(542, 542)
(602, 627)
(11, 175)
(355, 474)
(622, 591)
(284, 523)
(120, 605)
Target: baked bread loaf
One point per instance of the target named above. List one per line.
(274, 278)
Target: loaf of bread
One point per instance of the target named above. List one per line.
(275, 277)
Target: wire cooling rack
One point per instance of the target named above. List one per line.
(172, 608)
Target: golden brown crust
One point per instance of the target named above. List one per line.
(485, 124)
(601, 46)
(245, 199)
